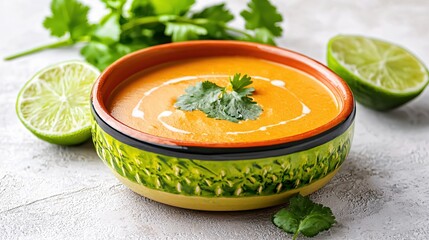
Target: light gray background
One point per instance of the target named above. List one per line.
(382, 191)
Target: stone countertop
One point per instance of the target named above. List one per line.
(381, 192)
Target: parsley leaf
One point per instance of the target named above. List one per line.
(304, 216)
(183, 31)
(217, 102)
(68, 16)
(262, 14)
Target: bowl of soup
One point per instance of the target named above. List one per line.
(187, 159)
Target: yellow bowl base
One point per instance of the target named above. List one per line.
(223, 203)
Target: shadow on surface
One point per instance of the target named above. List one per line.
(352, 195)
(412, 114)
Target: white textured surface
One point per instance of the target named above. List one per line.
(382, 191)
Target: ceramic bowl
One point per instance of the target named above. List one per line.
(220, 177)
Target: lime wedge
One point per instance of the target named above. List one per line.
(381, 75)
(54, 104)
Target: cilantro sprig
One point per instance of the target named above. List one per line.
(130, 25)
(305, 217)
(220, 103)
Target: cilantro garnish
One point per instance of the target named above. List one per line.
(304, 216)
(264, 25)
(217, 102)
(130, 25)
(68, 17)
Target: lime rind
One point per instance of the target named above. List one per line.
(362, 62)
(54, 104)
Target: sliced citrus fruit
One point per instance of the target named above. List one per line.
(54, 104)
(381, 75)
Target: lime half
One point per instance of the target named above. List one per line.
(381, 75)
(54, 104)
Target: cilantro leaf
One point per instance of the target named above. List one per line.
(109, 29)
(215, 13)
(217, 102)
(200, 96)
(102, 55)
(99, 54)
(115, 4)
(263, 35)
(173, 7)
(238, 82)
(262, 14)
(141, 8)
(183, 31)
(145, 36)
(304, 216)
(68, 16)
(240, 107)
(217, 17)
(133, 24)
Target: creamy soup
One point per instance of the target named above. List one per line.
(293, 102)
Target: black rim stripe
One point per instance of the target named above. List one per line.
(217, 154)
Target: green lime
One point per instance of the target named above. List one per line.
(54, 104)
(381, 75)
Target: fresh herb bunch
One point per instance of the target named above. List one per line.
(130, 25)
(304, 216)
(217, 102)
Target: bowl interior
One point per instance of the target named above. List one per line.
(135, 62)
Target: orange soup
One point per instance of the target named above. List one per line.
(293, 102)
